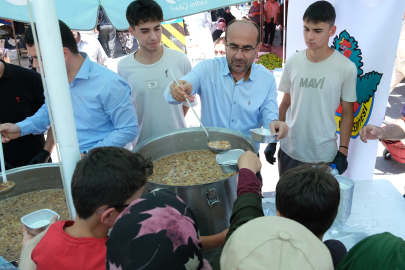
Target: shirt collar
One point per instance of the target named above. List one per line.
(7, 74)
(249, 74)
(85, 68)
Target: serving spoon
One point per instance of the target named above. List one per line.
(6, 186)
(212, 149)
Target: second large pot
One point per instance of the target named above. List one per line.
(211, 203)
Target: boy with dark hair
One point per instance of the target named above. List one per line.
(103, 113)
(279, 243)
(145, 72)
(104, 183)
(314, 82)
(310, 195)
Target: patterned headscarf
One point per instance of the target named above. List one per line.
(156, 231)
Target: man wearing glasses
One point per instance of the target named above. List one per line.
(235, 93)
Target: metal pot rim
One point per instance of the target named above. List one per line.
(196, 185)
(30, 167)
(193, 129)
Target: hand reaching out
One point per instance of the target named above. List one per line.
(251, 161)
(30, 235)
(279, 127)
(9, 132)
(370, 132)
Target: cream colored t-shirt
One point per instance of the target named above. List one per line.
(148, 83)
(316, 90)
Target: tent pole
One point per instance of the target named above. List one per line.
(16, 44)
(60, 103)
(284, 41)
(261, 20)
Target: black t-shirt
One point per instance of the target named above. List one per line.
(21, 95)
(337, 250)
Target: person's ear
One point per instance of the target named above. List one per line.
(66, 53)
(332, 31)
(279, 214)
(109, 216)
(258, 48)
(132, 31)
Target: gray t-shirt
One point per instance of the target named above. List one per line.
(316, 90)
(148, 83)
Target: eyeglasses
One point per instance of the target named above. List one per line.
(220, 52)
(245, 49)
(115, 206)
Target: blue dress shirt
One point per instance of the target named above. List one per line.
(242, 106)
(102, 108)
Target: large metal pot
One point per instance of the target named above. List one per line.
(33, 178)
(211, 203)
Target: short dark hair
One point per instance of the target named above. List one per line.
(320, 11)
(257, 27)
(68, 40)
(107, 176)
(309, 195)
(143, 11)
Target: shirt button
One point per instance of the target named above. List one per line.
(233, 120)
(234, 102)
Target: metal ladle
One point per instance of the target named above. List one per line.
(3, 173)
(212, 149)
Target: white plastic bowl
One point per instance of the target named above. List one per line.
(228, 161)
(263, 135)
(38, 219)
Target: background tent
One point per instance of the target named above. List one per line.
(82, 14)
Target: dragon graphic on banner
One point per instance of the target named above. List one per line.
(367, 84)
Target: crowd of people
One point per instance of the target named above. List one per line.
(272, 15)
(113, 112)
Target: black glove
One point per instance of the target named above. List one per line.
(269, 152)
(42, 157)
(341, 162)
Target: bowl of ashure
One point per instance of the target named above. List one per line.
(183, 164)
(36, 187)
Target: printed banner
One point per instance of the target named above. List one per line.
(362, 36)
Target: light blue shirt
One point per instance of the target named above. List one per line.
(242, 106)
(102, 108)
